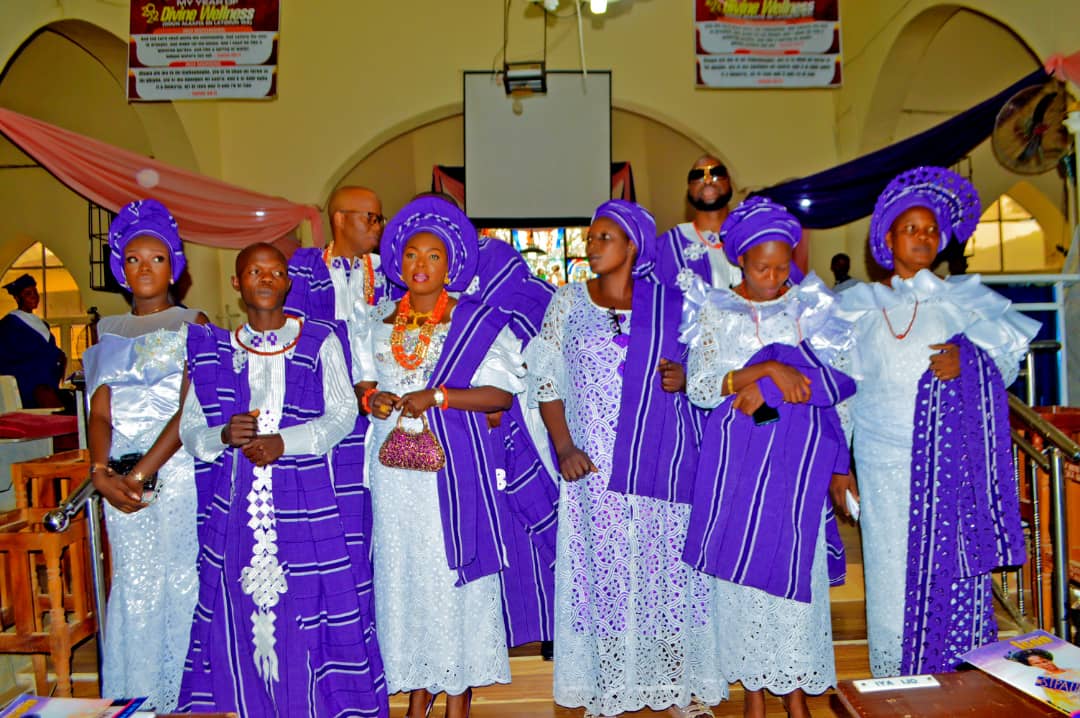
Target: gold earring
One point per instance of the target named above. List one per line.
(446, 281)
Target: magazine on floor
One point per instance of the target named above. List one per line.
(40, 707)
(1039, 664)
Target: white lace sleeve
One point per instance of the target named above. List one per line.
(547, 377)
(199, 439)
(704, 380)
(842, 362)
(320, 435)
(996, 327)
(504, 366)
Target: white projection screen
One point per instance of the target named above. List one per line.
(549, 165)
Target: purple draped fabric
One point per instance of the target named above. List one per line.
(325, 634)
(671, 259)
(643, 463)
(474, 508)
(760, 491)
(847, 192)
(965, 517)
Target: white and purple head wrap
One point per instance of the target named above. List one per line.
(144, 217)
(951, 198)
(640, 228)
(442, 219)
(755, 221)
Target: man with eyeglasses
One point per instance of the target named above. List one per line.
(694, 248)
(343, 280)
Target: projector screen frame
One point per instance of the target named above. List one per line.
(531, 222)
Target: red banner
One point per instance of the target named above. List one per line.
(767, 43)
(203, 49)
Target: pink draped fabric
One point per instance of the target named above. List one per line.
(1064, 67)
(207, 210)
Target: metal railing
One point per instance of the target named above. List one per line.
(1050, 460)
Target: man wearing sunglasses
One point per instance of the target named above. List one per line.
(694, 248)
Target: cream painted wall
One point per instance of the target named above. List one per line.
(354, 76)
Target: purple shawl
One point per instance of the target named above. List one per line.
(760, 491)
(642, 464)
(670, 259)
(964, 517)
(329, 657)
(483, 512)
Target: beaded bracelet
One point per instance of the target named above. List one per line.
(365, 399)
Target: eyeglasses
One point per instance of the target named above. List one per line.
(698, 173)
(370, 218)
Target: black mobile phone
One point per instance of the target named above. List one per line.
(765, 414)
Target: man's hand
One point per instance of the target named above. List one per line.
(264, 450)
(672, 376)
(241, 429)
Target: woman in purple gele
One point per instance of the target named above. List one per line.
(607, 371)
(932, 359)
(760, 515)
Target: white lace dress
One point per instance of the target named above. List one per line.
(154, 550)
(432, 633)
(887, 370)
(630, 617)
(765, 641)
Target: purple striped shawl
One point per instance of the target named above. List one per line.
(964, 516)
(658, 432)
(325, 619)
(474, 510)
(760, 491)
(670, 259)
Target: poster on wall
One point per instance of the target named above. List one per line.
(767, 43)
(203, 50)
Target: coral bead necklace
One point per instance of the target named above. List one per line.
(404, 317)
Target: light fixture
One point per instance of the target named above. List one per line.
(598, 7)
(524, 77)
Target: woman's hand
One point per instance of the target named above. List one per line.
(838, 488)
(792, 383)
(123, 492)
(672, 376)
(946, 363)
(415, 403)
(748, 399)
(264, 450)
(575, 463)
(382, 403)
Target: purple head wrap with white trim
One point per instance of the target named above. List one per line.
(758, 220)
(442, 219)
(951, 198)
(640, 228)
(144, 217)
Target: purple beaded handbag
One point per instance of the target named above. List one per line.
(412, 450)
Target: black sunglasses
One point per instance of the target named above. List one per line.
(698, 173)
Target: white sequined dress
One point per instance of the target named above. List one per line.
(154, 550)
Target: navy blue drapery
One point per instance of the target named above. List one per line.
(848, 192)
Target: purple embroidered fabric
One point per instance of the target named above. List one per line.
(965, 518)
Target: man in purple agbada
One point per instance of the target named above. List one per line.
(280, 627)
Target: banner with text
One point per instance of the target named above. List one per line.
(203, 49)
(767, 43)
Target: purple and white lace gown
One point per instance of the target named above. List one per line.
(433, 634)
(154, 550)
(630, 616)
(765, 641)
(887, 370)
